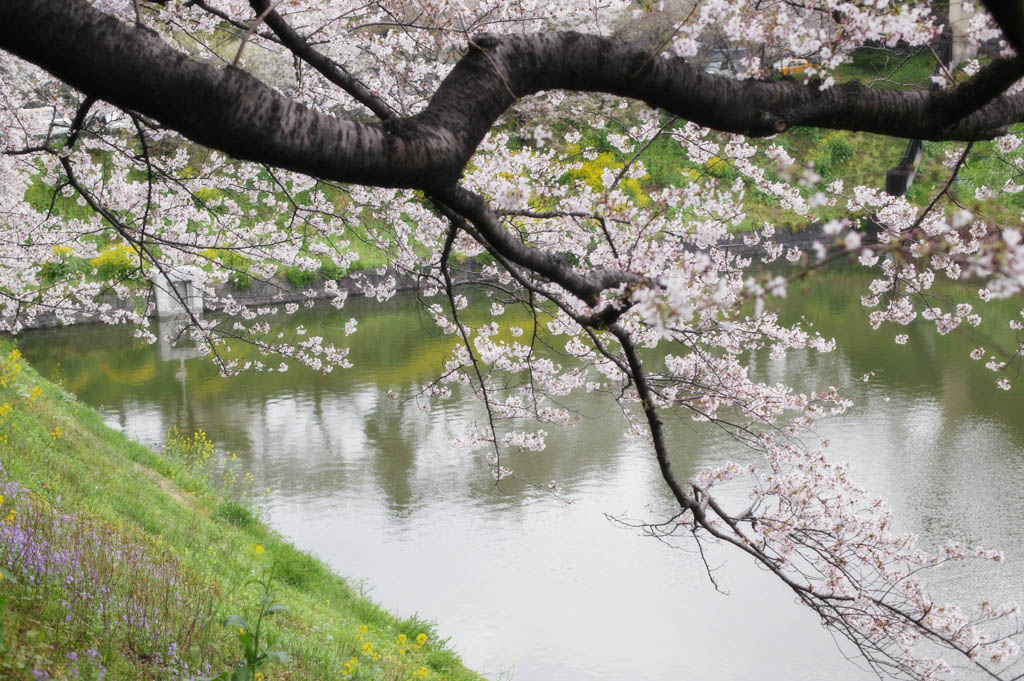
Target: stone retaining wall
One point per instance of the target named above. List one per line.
(278, 291)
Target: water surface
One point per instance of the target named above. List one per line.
(527, 586)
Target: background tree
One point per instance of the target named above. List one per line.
(231, 141)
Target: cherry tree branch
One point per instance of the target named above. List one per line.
(327, 67)
(585, 287)
(227, 109)
(654, 424)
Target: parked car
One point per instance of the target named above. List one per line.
(791, 66)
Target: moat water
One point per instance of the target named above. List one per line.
(527, 586)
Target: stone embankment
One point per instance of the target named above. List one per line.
(278, 291)
(803, 239)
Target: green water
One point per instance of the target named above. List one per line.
(526, 585)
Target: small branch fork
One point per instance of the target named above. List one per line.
(464, 335)
(331, 70)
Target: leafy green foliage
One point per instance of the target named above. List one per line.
(116, 262)
(234, 512)
(298, 278)
(330, 271)
(831, 152)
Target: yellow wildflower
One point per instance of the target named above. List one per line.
(421, 639)
(10, 369)
(350, 667)
(257, 549)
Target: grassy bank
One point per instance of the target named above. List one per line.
(118, 562)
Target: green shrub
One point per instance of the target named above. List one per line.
(720, 168)
(239, 264)
(329, 270)
(115, 262)
(299, 277)
(234, 512)
(58, 270)
(484, 259)
(832, 150)
(240, 281)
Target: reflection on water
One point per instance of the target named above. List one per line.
(531, 587)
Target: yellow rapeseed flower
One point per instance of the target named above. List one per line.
(350, 667)
(10, 369)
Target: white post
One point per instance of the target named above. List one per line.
(959, 19)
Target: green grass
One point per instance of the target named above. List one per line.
(880, 68)
(151, 533)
